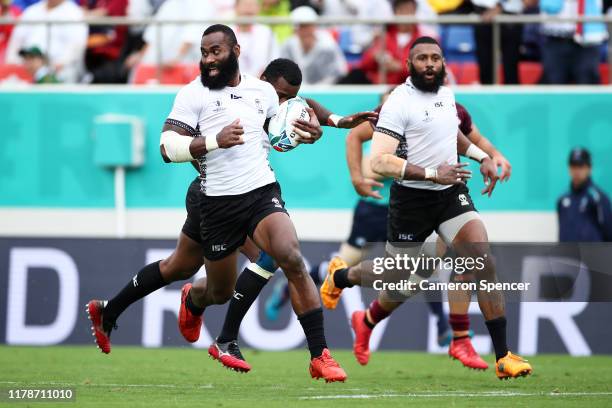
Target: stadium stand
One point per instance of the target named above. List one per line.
(457, 40)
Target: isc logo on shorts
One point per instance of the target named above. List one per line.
(463, 199)
(277, 203)
(402, 236)
(219, 248)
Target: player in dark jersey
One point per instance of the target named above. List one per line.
(187, 258)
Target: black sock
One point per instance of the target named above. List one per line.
(315, 275)
(312, 323)
(193, 308)
(146, 281)
(248, 286)
(497, 330)
(341, 279)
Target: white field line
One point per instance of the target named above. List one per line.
(446, 394)
(486, 394)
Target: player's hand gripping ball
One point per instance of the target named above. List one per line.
(283, 136)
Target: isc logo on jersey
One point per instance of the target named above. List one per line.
(280, 130)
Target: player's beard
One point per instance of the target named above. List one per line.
(420, 83)
(227, 71)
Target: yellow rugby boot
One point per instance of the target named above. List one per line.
(512, 366)
(330, 294)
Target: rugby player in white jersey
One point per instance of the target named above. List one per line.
(241, 196)
(286, 78)
(416, 143)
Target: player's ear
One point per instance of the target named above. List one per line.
(237, 50)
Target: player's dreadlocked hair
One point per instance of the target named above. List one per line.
(222, 28)
(282, 67)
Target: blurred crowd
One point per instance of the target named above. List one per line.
(72, 52)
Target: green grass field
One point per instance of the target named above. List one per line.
(185, 377)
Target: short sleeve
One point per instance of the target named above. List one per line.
(465, 119)
(391, 120)
(272, 98)
(186, 109)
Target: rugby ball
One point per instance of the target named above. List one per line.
(280, 130)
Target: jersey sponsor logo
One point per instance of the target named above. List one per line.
(235, 96)
(277, 203)
(403, 236)
(218, 106)
(463, 199)
(439, 104)
(219, 248)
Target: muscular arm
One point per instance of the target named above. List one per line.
(354, 155)
(230, 135)
(463, 143)
(182, 132)
(485, 144)
(357, 166)
(327, 118)
(385, 163)
(488, 167)
(481, 141)
(320, 111)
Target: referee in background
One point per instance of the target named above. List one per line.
(584, 212)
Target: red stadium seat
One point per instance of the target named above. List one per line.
(604, 72)
(180, 74)
(530, 73)
(16, 72)
(467, 73)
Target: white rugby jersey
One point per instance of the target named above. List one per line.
(426, 125)
(240, 168)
